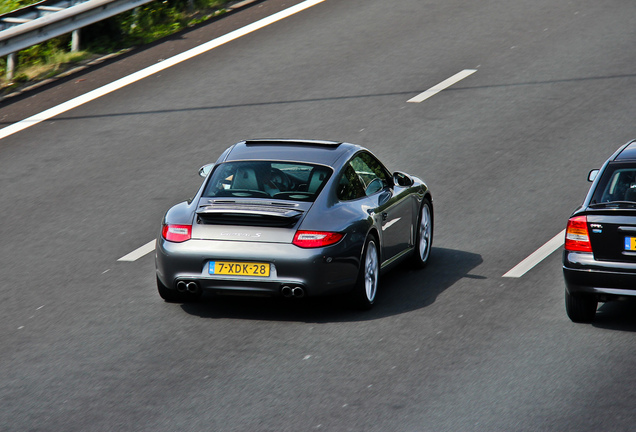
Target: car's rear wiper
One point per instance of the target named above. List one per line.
(616, 204)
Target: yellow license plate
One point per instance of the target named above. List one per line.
(238, 268)
(630, 243)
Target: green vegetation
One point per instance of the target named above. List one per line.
(142, 25)
(148, 23)
(11, 5)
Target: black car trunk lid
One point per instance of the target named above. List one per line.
(613, 234)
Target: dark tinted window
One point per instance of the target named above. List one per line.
(621, 186)
(618, 183)
(349, 186)
(264, 179)
(364, 175)
(371, 172)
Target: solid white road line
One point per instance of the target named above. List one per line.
(138, 253)
(144, 73)
(443, 85)
(536, 257)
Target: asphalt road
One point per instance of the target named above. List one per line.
(88, 345)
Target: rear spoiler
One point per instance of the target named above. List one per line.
(232, 213)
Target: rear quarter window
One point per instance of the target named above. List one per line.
(349, 186)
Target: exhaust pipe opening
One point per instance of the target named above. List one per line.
(286, 291)
(298, 292)
(182, 286)
(192, 287)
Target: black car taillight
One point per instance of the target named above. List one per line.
(577, 237)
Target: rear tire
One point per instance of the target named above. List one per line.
(580, 308)
(366, 288)
(424, 235)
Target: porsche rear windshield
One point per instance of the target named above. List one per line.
(265, 179)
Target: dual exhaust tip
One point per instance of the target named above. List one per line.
(296, 292)
(190, 287)
(286, 291)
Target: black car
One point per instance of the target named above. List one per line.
(599, 260)
(293, 218)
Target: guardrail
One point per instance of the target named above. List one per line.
(34, 11)
(45, 20)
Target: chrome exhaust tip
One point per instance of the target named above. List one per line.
(286, 291)
(192, 287)
(298, 292)
(182, 286)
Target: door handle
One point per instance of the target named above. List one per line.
(384, 216)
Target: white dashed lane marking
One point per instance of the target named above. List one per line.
(441, 86)
(139, 252)
(537, 256)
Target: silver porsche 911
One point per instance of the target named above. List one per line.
(293, 218)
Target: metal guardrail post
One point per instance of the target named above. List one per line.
(10, 66)
(75, 40)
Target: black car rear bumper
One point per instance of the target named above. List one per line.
(607, 280)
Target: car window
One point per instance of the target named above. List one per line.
(267, 179)
(619, 185)
(349, 186)
(364, 175)
(371, 172)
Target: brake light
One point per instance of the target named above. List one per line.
(176, 233)
(314, 239)
(577, 237)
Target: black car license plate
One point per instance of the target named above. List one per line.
(630, 243)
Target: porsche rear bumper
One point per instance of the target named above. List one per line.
(318, 271)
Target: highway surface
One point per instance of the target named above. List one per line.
(88, 345)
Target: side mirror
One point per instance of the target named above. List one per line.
(205, 170)
(592, 175)
(402, 179)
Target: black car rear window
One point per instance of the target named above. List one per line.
(618, 183)
(267, 179)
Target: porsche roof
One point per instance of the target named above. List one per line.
(314, 151)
